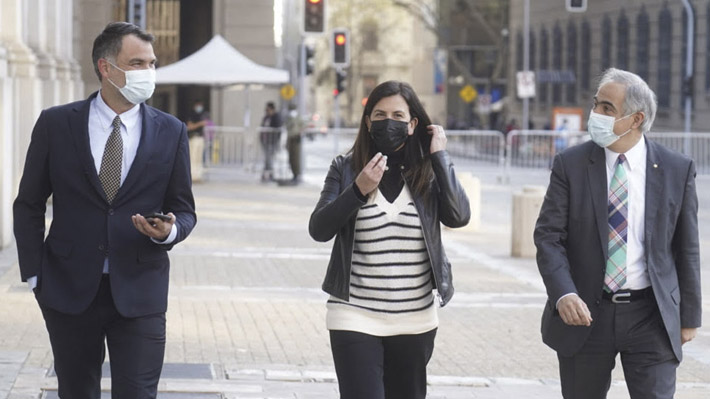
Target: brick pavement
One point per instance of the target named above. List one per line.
(245, 302)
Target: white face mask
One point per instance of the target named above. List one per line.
(601, 128)
(140, 84)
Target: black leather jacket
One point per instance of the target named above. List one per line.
(337, 208)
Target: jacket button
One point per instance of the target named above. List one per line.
(597, 302)
(110, 212)
(101, 247)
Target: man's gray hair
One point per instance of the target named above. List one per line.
(639, 97)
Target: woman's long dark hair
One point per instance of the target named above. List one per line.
(419, 173)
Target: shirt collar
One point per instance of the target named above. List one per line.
(634, 156)
(129, 119)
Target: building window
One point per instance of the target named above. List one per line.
(586, 61)
(606, 43)
(665, 37)
(683, 58)
(642, 38)
(369, 35)
(544, 57)
(622, 42)
(572, 61)
(557, 64)
(519, 52)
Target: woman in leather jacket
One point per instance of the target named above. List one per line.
(384, 202)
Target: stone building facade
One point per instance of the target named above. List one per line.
(568, 52)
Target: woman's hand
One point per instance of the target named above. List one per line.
(371, 174)
(438, 138)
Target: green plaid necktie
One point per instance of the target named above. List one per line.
(615, 275)
(110, 171)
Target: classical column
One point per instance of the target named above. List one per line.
(75, 84)
(7, 175)
(22, 70)
(21, 96)
(39, 14)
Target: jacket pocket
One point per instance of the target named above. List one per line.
(155, 255)
(59, 247)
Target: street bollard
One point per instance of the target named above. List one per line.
(526, 207)
(472, 187)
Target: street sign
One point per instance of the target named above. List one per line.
(287, 91)
(468, 93)
(484, 103)
(526, 84)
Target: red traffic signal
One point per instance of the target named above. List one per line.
(341, 47)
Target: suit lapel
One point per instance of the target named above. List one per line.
(79, 126)
(596, 173)
(654, 191)
(146, 147)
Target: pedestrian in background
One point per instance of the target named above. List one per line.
(384, 202)
(101, 274)
(196, 134)
(270, 135)
(617, 247)
(294, 131)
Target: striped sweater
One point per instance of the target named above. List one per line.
(391, 280)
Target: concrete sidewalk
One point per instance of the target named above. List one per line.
(246, 314)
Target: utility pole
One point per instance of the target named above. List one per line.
(688, 81)
(526, 61)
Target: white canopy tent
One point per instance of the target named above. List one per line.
(219, 64)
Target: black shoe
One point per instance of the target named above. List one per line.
(287, 183)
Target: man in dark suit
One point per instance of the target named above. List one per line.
(617, 248)
(101, 273)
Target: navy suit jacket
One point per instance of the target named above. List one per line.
(85, 228)
(572, 230)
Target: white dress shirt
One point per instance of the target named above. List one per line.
(101, 118)
(635, 167)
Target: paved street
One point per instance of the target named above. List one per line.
(246, 316)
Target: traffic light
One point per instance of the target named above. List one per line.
(576, 5)
(340, 84)
(314, 16)
(310, 62)
(341, 48)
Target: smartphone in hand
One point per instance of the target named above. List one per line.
(164, 218)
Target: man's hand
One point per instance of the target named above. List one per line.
(153, 228)
(574, 311)
(371, 174)
(687, 334)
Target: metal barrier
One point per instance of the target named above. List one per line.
(241, 147)
(695, 145)
(518, 149)
(479, 145)
(537, 148)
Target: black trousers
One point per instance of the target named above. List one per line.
(636, 331)
(370, 367)
(136, 347)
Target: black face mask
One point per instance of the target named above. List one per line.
(389, 135)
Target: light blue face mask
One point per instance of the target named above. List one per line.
(140, 84)
(601, 129)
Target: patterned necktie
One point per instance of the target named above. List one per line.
(110, 172)
(615, 275)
